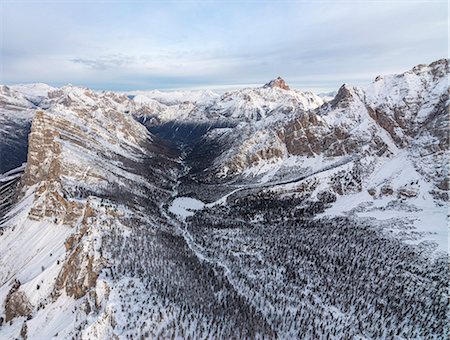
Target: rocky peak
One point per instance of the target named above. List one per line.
(438, 68)
(278, 82)
(343, 97)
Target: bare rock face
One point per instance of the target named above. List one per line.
(79, 274)
(45, 171)
(277, 83)
(16, 303)
(24, 331)
(386, 190)
(343, 97)
(304, 135)
(241, 162)
(261, 146)
(80, 271)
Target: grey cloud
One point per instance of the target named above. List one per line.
(105, 62)
(310, 44)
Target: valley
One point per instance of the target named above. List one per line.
(263, 212)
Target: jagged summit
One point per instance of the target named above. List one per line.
(278, 82)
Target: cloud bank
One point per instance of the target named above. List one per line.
(125, 45)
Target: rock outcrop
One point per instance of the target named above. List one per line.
(16, 303)
(278, 83)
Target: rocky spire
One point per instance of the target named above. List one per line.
(279, 82)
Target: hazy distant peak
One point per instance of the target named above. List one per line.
(278, 82)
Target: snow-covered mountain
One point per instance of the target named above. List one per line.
(244, 104)
(260, 213)
(177, 97)
(34, 93)
(260, 103)
(407, 112)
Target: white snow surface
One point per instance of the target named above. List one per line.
(176, 97)
(33, 90)
(427, 217)
(185, 206)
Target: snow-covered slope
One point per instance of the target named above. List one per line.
(34, 92)
(177, 97)
(84, 176)
(259, 103)
(260, 213)
(354, 145)
(250, 104)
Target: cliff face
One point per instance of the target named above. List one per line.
(82, 145)
(90, 167)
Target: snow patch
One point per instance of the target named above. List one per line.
(184, 207)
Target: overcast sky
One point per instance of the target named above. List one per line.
(127, 45)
